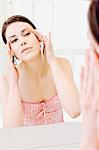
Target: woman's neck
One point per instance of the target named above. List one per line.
(36, 68)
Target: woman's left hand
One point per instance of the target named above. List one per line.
(48, 51)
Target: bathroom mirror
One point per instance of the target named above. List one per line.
(67, 21)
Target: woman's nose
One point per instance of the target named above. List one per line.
(23, 43)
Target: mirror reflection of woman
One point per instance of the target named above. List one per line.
(34, 91)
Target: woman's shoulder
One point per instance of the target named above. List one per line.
(63, 61)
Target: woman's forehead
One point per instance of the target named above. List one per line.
(16, 28)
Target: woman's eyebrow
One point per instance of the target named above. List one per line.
(24, 30)
(21, 32)
(12, 36)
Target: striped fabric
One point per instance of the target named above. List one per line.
(46, 112)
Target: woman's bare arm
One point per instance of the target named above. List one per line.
(11, 103)
(67, 91)
(14, 116)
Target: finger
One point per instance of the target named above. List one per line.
(49, 35)
(82, 87)
(90, 88)
(49, 46)
(96, 88)
(39, 35)
(95, 61)
(86, 85)
(10, 63)
(86, 70)
(9, 55)
(81, 79)
(9, 49)
(95, 64)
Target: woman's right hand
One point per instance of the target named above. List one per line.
(89, 98)
(12, 74)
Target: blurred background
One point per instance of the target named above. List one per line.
(67, 21)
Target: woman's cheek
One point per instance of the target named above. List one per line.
(14, 50)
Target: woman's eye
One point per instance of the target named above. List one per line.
(28, 33)
(13, 41)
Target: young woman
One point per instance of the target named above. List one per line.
(90, 84)
(34, 91)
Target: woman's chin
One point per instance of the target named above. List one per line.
(29, 57)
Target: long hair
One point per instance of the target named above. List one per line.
(93, 19)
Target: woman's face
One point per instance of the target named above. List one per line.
(23, 42)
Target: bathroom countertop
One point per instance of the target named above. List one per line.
(64, 136)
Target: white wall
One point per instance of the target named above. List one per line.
(66, 19)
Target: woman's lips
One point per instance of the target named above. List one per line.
(26, 49)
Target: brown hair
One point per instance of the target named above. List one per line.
(93, 19)
(12, 19)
